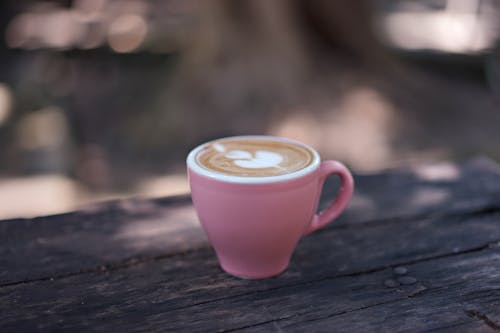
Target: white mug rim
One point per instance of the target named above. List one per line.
(195, 167)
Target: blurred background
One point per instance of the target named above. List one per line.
(102, 99)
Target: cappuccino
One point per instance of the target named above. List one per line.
(254, 157)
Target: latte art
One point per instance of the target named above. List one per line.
(253, 157)
(261, 159)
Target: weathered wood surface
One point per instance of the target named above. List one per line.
(145, 265)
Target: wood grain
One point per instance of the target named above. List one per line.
(144, 266)
(120, 233)
(187, 292)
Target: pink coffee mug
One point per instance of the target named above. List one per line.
(254, 223)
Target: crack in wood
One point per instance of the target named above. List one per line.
(276, 320)
(255, 325)
(124, 264)
(110, 206)
(175, 199)
(448, 326)
(336, 314)
(417, 260)
(471, 313)
(480, 293)
(479, 315)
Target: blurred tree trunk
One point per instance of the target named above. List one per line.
(345, 27)
(292, 28)
(247, 59)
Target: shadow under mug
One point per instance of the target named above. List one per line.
(255, 223)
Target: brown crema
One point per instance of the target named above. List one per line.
(254, 157)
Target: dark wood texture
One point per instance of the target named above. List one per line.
(145, 266)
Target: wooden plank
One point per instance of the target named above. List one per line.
(452, 294)
(422, 190)
(112, 233)
(339, 271)
(118, 234)
(452, 291)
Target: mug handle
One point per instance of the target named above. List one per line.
(340, 203)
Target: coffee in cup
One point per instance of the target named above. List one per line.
(254, 157)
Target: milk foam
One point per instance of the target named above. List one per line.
(261, 159)
(254, 157)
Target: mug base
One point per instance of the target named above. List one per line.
(252, 275)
